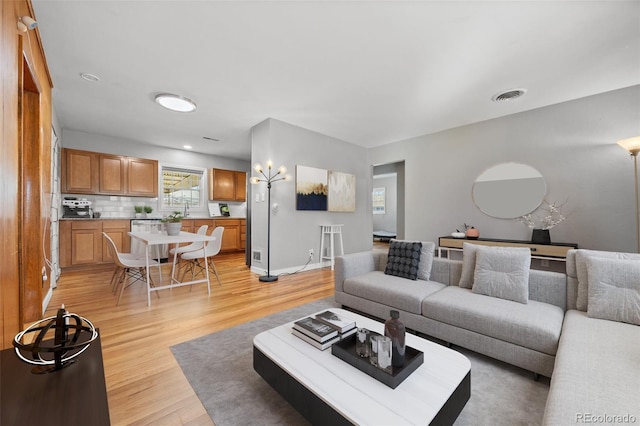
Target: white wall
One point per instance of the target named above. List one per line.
(572, 144)
(294, 232)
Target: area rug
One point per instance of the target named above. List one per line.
(219, 368)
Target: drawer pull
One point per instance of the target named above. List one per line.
(533, 249)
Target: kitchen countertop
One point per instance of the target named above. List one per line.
(150, 218)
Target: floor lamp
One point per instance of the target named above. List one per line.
(269, 178)
(633, 146)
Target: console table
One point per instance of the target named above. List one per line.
(553, 251)
(75, 395)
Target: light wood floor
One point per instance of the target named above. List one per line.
(145, 385)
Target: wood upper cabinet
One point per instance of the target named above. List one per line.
(227, 185)
(143, 177)
(85, 172)
(112, 174)
(241, 186)
(80, 171)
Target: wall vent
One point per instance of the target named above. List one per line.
(508, 95)
(257, 255)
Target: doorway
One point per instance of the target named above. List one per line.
(389, 202)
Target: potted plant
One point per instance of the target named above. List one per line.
(138, 210)
(148, 209)
(173, 223)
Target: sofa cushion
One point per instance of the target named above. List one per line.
(596, 372)
(583, 277)
(426, 259)
(614, 289)
(403, 259)
(535, 325)
(468, 264)
(400, 293)
(502, 272)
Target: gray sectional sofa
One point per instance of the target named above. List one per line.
(594, 363)
(525, 335)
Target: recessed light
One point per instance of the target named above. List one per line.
(175, 102)
(187, 147)
(89, 77)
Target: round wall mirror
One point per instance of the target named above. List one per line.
(509, 190)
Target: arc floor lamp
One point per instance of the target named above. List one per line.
(633, 146)
(269, 177)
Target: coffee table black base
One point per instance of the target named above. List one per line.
(317, 411)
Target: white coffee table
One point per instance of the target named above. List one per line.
(327, 390)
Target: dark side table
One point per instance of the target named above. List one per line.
(75, 395)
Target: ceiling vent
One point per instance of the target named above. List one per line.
(508, 95)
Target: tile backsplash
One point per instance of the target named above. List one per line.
(110, 206)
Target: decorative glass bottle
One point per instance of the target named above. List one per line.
(394, 329)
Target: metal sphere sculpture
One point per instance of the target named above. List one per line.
(68, 342)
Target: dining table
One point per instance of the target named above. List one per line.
(158, 238)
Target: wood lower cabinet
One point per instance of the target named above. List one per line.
(233, 237)
(118, 231)
(231, 234)
(82, 242)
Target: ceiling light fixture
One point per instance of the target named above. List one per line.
(89, 77)
(508, 95)
(175, 102)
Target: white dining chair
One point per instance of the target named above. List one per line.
(128, 266)
(211, 249)
(196, 245)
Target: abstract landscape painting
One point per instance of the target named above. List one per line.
(342, 192)
(311, 188)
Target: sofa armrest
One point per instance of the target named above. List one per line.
(351, 265)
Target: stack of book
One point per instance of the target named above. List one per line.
(324, 330)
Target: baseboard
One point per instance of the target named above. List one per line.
(47, 299)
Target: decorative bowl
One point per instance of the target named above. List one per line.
(457, 234)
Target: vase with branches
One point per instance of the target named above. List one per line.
(545, 217)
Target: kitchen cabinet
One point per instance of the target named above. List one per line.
(80, 171)
(231, 234)
(82, 242)
(112, 174)
(142, 177)
(233, 237)
(227, 185)
(85, 172)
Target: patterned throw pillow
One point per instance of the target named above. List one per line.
(403, 259)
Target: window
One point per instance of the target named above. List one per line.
(181, 188)
(378, 201)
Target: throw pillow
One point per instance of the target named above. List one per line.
(426, 259)
(502, 272)
(614, 289)
(468, 264)
(582, 256)
(403, 259)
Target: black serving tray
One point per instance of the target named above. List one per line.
(346, 351)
